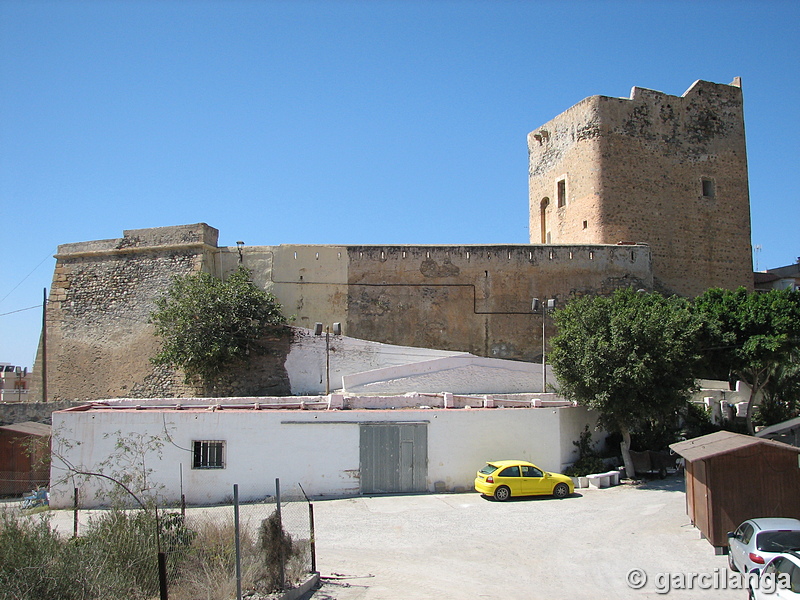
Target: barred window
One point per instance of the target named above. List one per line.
(208, 454)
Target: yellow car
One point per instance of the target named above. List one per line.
(505, 478)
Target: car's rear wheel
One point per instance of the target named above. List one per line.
(502, 493)
(751, 595)
(561, 490)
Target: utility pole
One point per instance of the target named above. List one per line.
(44, 346)
(545, 306)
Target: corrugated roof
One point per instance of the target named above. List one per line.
(722, 442)
(28, 428)
(779, 428)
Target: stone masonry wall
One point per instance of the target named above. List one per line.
(473, 299)
(99, 340)
(634, 171)
(464, 298)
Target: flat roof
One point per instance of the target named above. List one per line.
(28, 428)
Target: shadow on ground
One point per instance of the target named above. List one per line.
(674, 482)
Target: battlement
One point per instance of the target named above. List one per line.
(196, 235)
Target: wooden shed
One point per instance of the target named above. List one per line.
(23, 449)
(732, 477)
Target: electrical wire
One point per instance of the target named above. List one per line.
(49, 255)
(20, 310)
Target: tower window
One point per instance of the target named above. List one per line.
(585, 224)
(562, 193)
(708, 188)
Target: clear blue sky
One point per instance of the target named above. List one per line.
(361, 122)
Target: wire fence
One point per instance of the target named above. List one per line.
(183, 552)
(15, 483)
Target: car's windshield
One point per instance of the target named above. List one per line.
(778, 541)
(488, 469)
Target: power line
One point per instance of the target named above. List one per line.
(20, 310)
(49, 255)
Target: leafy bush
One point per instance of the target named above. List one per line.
(117, 558)
(207, 325)
(774, 410)
(589, 460)
(585, 466)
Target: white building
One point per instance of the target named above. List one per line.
(388, 444)
(14, 383)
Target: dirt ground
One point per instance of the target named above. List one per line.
(594, 544)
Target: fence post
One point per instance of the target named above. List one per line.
(162, 575)
(162, 560)
(313, 541)
(236, 541)
(75, 513)
(183, 497)
(281, 570)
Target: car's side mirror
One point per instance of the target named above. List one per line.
(732, 534)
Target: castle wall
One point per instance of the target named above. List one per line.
(99, 340)
(477, 299)
(665, 170)
(648, 192)
(473, 299)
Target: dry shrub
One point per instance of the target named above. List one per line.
(208, 571)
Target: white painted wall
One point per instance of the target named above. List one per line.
(462, 374)
(305, 364)
(318, 449)
(364, 367)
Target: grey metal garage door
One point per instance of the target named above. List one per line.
(394, 457)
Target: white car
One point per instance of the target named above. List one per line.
(757, 541)
(783, 569)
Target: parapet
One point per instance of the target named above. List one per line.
(198, 234)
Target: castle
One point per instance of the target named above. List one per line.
(649, 191)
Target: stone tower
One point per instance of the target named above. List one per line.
(668, 171)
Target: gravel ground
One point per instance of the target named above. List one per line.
(465, 546)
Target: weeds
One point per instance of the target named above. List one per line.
(117, 557)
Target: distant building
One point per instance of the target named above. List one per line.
(782, 278)
(24, 454)
(14, 383)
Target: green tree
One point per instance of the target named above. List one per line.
(781, 399)
(749, 335)
(630, 356)
(208, 326)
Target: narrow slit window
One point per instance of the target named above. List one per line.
(709, 190)
(562, 193)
